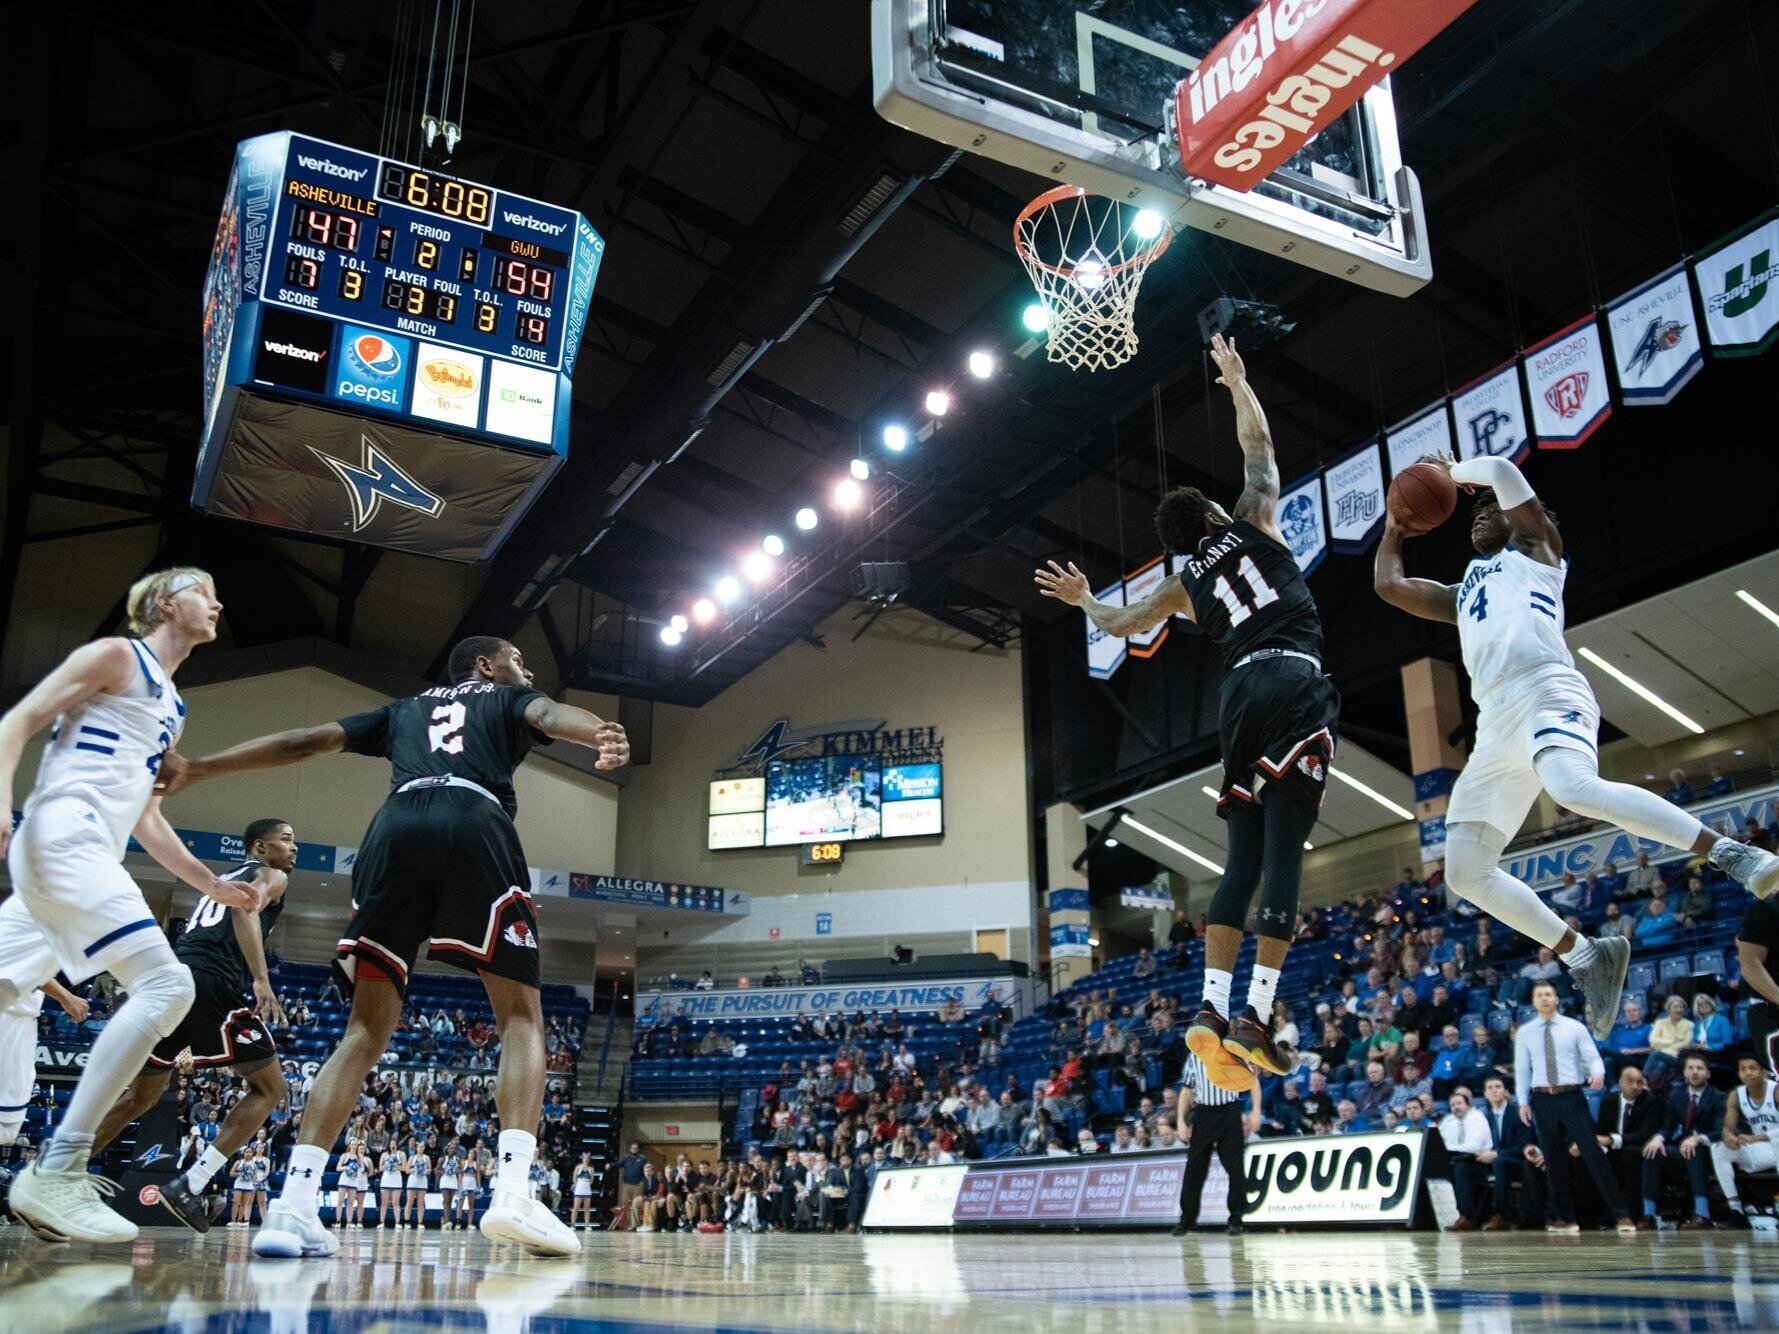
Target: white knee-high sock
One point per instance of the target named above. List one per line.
(1573, 780)
(1473, 869)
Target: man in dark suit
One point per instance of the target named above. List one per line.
(1509, 1161)
(791, 1177)
(831, 1192)
(1683, 1148)
(1628, 1117)
(858, 1190)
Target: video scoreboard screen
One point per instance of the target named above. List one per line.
(829, 798)
(378, 288)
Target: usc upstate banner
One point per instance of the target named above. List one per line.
(1566, 375)
(1739, 283)
(1655, 339)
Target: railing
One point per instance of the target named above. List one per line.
(605, 1047)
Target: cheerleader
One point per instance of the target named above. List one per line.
(582, 1211)
(468, 1185)
(262, 1174)
(419, 1181)
(449, 1165)
(241, 1201)
(352, 1169)
(389, 1187)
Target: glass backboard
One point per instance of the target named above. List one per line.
(1080, 91)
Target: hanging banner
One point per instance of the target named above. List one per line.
(1302, 523)
(1175, 564)
(1655, 339)
(1491, 416)
(1739, 281)
(1429, 433)
(1355, 492)
(1071, 940)
(1566, 375)
(1105, 653)
(1137, 587)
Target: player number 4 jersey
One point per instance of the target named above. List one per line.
(1510, 619)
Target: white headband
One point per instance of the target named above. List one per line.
(182, 583)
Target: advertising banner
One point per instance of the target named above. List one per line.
(658, 1006)
(1739, 282)
(1105, 653)
(1302, 523)
(1355, 489)
(1137, 587)
(1070, 941)
(1429, 432)
(1491, 417)
(1655, 339)
(1566, 376)
(1334, 1179)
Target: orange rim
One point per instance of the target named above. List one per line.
(1055, 196)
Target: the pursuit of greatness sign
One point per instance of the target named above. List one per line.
(741, 1003)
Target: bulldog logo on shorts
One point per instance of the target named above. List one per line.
(1313, 768)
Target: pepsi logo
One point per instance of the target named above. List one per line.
(376, 355)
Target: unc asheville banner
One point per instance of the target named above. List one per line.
(1542, 867)
(788, 1002)
(1655, 339)
(1105, 653)
(1428, 433)
(1137, 587)
(1739, 284)
(1491, 416)
(1302, 522)
(1566, 375)
(1355, 488)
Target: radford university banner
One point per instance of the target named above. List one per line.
(1566, 378)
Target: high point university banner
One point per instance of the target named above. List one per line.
(1566, 377)
(1739, 284)
(1355, 489)
(788, 1002)
(1491, 416)
(1655, 339)
(1428, 433)
(1302, 522)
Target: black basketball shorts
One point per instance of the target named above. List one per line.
(441, 869)
(221, 1028)
(1278, 717)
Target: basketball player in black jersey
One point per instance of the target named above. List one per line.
(1277, 718)
(440, 869)
(225, 948)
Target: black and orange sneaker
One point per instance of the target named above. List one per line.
(1206, 1039)
(1249, 1041)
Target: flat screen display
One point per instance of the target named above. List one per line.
(832, 796)
(741, 829)
(913, 800)
(729, 796)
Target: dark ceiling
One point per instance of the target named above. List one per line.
(786, 272)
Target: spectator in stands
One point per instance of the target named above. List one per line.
(1656, 926)
(1166, 1137)
(1122, 1139)
(1386, 1038)
(1411, 1075)
(1683, 1148)
(1543, 968)
(705, 982)
(1442, 1011)
(1490, 951)
(1283, 1113)
(1439, 949)
(1680, 792)
(1755, 836)
(1179, 936)
(1644, 880)
(1086, 1142)
(1145, 964)
(1694, 909)
(1347, 1120)
(1628, 1043)
(1466, 1134)
(1710, 1029)
(1447, 1072)
(1331, 1049)
(1617, 924)
(1378, 1090)
(1317, 1105)
(1721, 784)
(1284, 1027)
(1629, 1116)
(774, 978)
(1564, 895)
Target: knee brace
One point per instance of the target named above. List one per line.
(160, 995)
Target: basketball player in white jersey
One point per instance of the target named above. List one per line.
(18, 1053)
(112, 713)
(1750, 1125)
(1537, 724)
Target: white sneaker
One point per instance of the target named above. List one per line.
(288, 1235)
(512, 1217)
(1754, 867)
(66, 1206)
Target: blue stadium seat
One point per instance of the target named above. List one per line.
(1641, 976)
(1675, 967)
(1500, 1021)
(1708, 962)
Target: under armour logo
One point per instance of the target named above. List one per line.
(376, 479)
(308, 1172)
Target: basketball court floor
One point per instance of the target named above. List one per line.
(926, 1284)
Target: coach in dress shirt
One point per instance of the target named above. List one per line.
(1694, 1122)
(1553, 1056)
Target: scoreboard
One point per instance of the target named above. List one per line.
(388, 350)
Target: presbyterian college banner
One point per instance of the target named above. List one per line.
(1355, 488)
(1566, 375)
(1739, 281)
(1655, 339)
(1491, 416)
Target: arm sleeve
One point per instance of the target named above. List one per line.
(1502, 476)
(367, 733)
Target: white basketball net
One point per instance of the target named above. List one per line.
(1087, 255)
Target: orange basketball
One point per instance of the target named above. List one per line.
(1422, 497)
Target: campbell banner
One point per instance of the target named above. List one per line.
(1286, 73)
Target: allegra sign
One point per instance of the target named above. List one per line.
(1286, 73)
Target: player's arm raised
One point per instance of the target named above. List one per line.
(1420, 597)
(160, 841)
(565, 722)
(100, 668)
(1259, 499)
(267, 752)
(269, 882)
(1070, 586)
(1533, 532)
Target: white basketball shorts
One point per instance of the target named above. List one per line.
(18, 1061)
(1552, 707)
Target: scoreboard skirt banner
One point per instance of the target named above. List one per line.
(1346, 1181)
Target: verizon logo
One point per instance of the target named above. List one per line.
(535, 224)
(330, 168)
(292, 350)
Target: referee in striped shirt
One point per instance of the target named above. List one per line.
(1216, 1127)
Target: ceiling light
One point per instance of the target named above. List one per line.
(938, 402)
(806, 518)
(1035, 317)
(860, 469)
(1641, 691)
(1167, 842)
(1308, 846)
(1147, 226)
(703, 610)
(847, 494)
(679, 623)
(1094, 941)
(670, 636)
(1741, 752)
(1649, 778)
(1758, 605)
(728, 588)
(1111, 842)
(895, 437)
(982, 364)
(757, 566)
(1371, 792)
(772, 544)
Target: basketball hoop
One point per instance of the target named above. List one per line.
(1087, 255)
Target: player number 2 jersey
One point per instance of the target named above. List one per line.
(1248, 594)
(476, 731)
(1510, 619)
